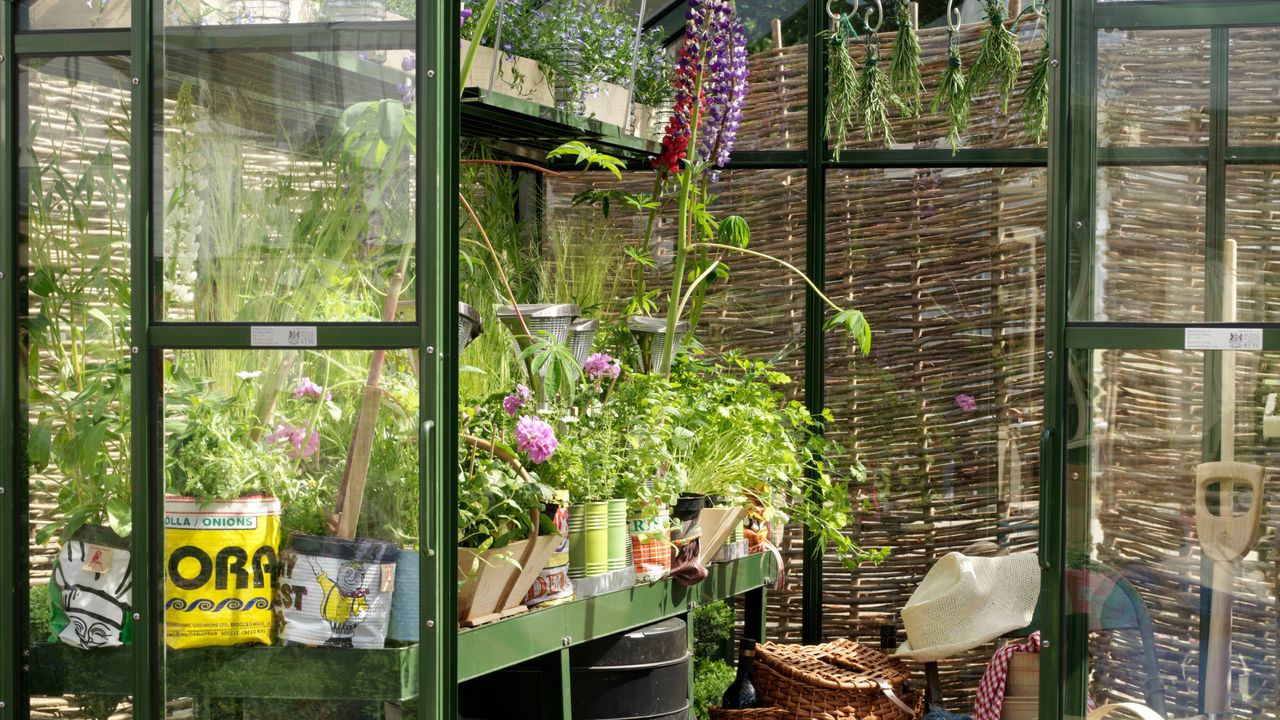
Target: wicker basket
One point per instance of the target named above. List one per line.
(767, 713)
(840, 680)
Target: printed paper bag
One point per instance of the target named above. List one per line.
(92, 590)
(336, 592)
(220, 561)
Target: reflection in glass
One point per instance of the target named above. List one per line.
(1146, 424)
(1254, 103)
(74, 313)
(946, 412)
(1155, 214)
(287, 188)
(291, 484)
(1153, 87)
(74, 14)
(1253, 223)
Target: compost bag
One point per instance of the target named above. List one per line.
(92, 589)
(336, 592)
(220, 562)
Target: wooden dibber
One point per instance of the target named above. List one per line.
(1226, 536)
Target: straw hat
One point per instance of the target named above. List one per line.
(964, 602)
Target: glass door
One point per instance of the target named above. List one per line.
(226, 339)
(1164, 568)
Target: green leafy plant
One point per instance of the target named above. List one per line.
(77, 328)
(710, 679)
(496, 492)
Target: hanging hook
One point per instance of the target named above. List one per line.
(831, 12)
(1041, 9)
(866, 17)
(953, 25)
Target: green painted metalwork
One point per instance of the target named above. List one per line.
(1064, 169)
(237, 672)
(13, 533)
(437, 192)
(503, 644)
(1118, 336)
(557, 699)
(146, 109)
(815, 346)
(1178, 14)
(90, 42)
(354, 336)
(530, 125)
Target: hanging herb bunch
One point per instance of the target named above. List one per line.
(1035, 100)
(874, 93)
(904, 70)
(952, 94)
(999, 58)
(842, 83)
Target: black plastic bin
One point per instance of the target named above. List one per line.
(638, 675)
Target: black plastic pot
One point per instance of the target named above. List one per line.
(640, 675)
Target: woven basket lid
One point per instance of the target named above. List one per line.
(839, 665)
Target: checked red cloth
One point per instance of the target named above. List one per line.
(990, 699)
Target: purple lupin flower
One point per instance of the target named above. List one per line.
(725, 86)
(535, 438)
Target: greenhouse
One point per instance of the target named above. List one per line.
(639, 359)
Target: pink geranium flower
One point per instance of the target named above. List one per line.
(601, 365)
(535, 438)
(516, 400)
(302, 444)
(308, 389)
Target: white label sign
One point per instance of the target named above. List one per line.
(1222, 339)
(283, 336)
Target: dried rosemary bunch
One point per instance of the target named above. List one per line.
(842, 85)
(1035, 100)
(952, 95)
(999, 57)
(904, 68)
(874, 97)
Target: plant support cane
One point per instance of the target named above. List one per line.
(1225, 535)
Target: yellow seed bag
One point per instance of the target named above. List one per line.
(219, 563)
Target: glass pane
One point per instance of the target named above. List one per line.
(1153, 87)
(1149, 571)
(1254, 104)
(291, 523)
(74, 310)
(777, 104)
(73, 14)
(1155, 214)
(271, 12)
(287, 188)
(1253, 224)
(946, 412)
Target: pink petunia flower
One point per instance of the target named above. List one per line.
(308, 389)
(535, 438)
(966, 402)
(601, 365)
(294, 435)
(516, 400)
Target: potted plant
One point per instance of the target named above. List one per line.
(503, 539)
(220, 510)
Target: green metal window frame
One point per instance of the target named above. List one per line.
(432, 334)
(1073, 159)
